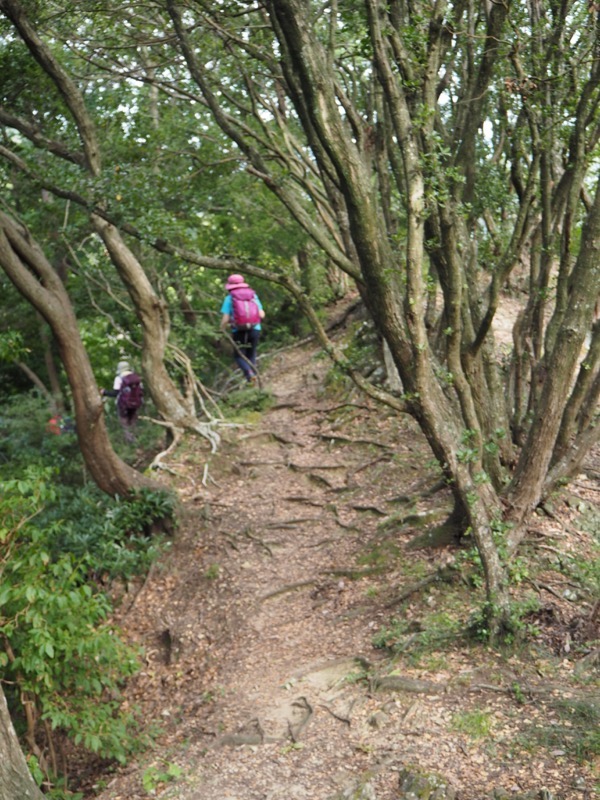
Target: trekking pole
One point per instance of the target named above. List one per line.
(252, 366)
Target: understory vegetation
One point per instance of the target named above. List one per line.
(68, 553)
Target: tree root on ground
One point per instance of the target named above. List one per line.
(336, 437)
(289, 523)
(446, 574)
(295, 730)
(290, 587)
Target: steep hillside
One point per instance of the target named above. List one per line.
(299, 646)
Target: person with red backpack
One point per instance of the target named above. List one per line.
(129, 391)
(242, 312)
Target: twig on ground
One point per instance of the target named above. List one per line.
(147, 579)
(265, 463)
(538, 586)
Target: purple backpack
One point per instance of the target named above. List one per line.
(245, 308)
(131, 393)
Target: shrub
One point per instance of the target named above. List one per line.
(63, 662)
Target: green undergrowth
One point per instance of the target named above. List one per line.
(64, 663)
(247, 404)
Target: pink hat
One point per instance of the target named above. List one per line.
(236, 282)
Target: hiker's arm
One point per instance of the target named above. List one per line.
(109, 392)
(261, 313)
(225, 322)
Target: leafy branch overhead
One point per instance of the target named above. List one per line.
(431, 157)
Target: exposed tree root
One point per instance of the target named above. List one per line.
(295, 730)
(398, 683)
(336, 437)
(446, 574)
(354, 574)
(177, 433)
(290, 587)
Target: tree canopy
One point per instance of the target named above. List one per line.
(431, 156)
(434, 154)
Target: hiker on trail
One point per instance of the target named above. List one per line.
(242, 312)
(128, 390)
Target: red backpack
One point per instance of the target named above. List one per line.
(245, 308)
(131, 393)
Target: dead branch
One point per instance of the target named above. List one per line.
(261, 463)
(538, 586)
(303, 468)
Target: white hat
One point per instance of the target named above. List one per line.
(123, 367)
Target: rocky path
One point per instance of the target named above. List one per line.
(258, 627)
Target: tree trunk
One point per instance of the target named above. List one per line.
(532, 469)
(16, 782)
(153, 315)
(400, 316)
(26, 266)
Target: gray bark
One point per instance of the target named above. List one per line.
(16, 782)
(26, 266)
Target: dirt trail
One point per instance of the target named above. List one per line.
(259, 626)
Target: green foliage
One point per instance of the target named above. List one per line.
(11, 346)
(246, 401)
(25, 441)
(417, 638)
(154, 776)
(107, 537)
(514, 628)
(60, 653)
(138, 514)
(475, 723)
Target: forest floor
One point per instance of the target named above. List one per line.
(298, 646)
